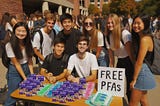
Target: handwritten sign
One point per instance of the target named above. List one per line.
(111, 80)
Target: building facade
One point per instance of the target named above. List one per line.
(11, 6)
(74, 7)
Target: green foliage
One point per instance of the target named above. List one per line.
(105, 9)
(150, 7)
(92, 9)
(124, 7)
(114, 6)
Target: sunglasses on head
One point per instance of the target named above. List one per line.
(88, 23)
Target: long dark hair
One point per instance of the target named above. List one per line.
(27, 42)
(146, 31)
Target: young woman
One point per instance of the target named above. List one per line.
(96, 40)
(143, 79)
(19, 50)
(119, 44)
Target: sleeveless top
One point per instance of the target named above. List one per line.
(149, 57)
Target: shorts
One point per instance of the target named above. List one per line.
(145, 80)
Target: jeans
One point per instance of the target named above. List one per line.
(103, 59)
(13, 80)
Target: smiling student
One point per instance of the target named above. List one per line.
(119, 44)
(42, 50)
(55, 64)
(19, 51)
(69, 34)
(96, 38)
(84, 63)
(143, 79)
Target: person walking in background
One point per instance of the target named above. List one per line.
(118, 43)
(84, 63)
(130, 21)
(4, 25)
(20, 65)
(95, 36)
(54, 67)
(143, 79)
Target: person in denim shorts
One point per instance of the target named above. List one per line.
(143, 79)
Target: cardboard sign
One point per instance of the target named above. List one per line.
(111, 80)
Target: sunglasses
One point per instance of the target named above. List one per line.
(88, 23)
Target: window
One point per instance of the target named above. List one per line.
(91, 0)
(83, 3)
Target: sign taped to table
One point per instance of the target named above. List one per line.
(111, 80)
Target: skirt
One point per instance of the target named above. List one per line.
(145, 80)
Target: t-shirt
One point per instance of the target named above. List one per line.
(70, 40)
(121, 52)
(84, 66)
(11, 54)
(56, 66)
(46, 44)
(100, 39)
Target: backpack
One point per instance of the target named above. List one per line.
(155, 66)
(41, 40)
(5, 59)
(2, 32)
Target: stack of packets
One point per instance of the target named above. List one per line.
(32, 85)
(101, 98)
(59, 92)
(68, 91)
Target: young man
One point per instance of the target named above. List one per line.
(83, 62)
(55, 64)
(69, 34)
(42, 50)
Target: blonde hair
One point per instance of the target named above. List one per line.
(116, 32)
(93, 34)
(50, 16)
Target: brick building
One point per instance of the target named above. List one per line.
(11, 6)
(74, 7)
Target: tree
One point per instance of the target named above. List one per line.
(105, 9)
(114, 6)
(128, 7)
(123, 7)
(150, 7)
(92, 9)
